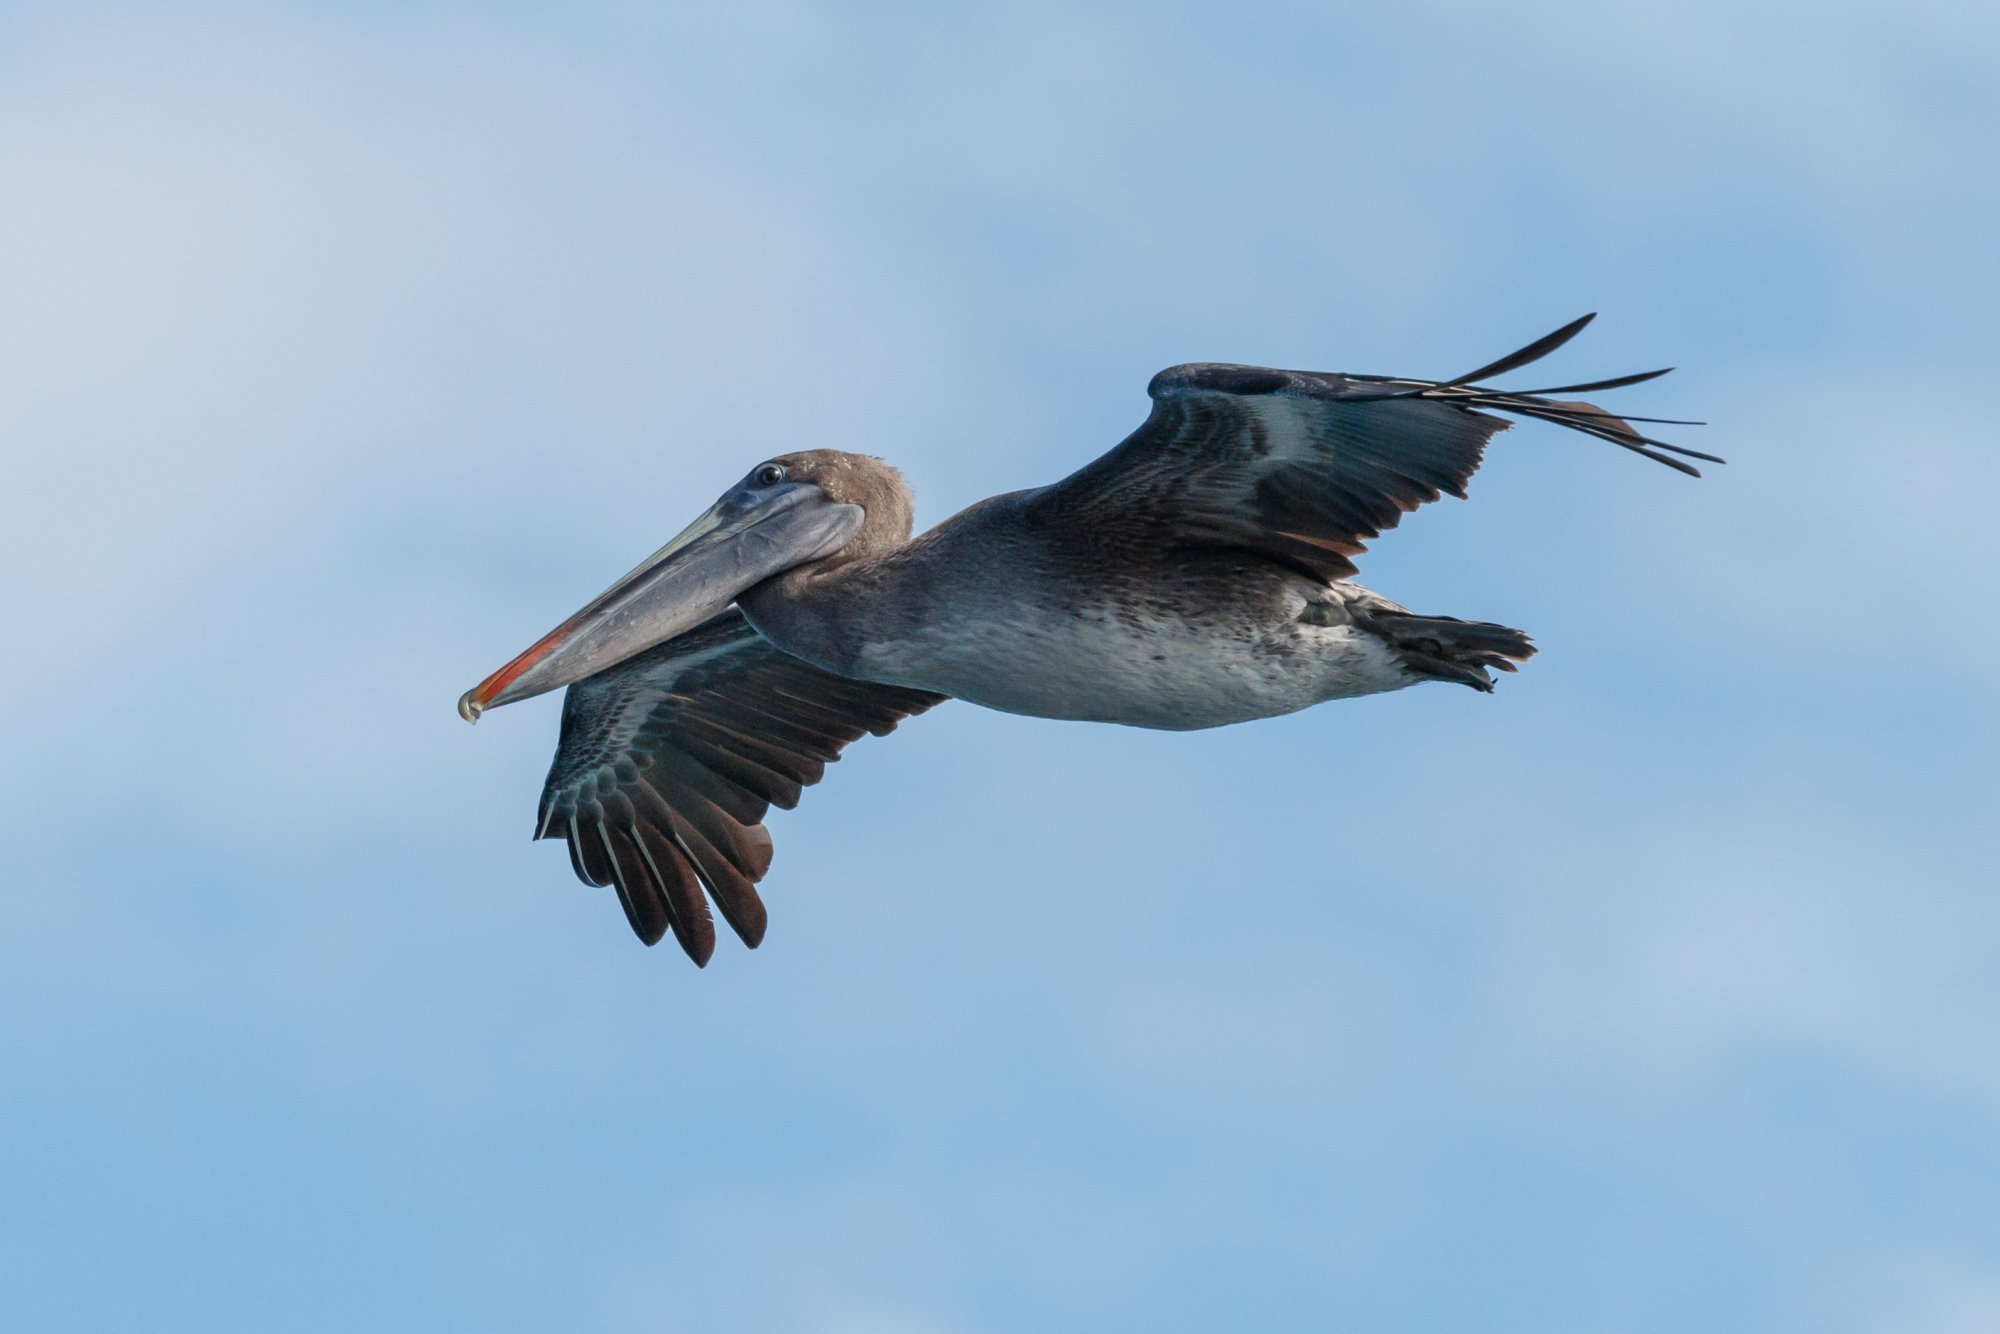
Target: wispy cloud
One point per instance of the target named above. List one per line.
(348, 350)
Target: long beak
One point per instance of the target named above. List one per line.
(733, 547)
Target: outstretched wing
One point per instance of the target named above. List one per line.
(1303, 467)
(669, 760)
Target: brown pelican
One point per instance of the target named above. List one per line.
(1197, 575)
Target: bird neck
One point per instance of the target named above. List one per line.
(822, 612)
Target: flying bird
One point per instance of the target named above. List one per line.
(1199, 574)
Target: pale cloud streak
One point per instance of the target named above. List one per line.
(348, 351)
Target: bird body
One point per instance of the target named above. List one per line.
(1197, 575)
(1064, 629)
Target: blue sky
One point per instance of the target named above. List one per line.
(347, 348)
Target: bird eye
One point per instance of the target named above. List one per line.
(771, 474)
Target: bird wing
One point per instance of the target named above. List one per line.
(669, 760)
(1303, 467)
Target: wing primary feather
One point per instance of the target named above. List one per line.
(1604, 425)
(746, 773)
(691, 902)
(1534, 351)
(802, 737)
(594, 872)
(570, 842)
(804, 770)
(1502, 399)
(1666, 421)
(645, 908)
(1617, 382)
(820, 711)
(1633, 441)
(719, 873)
(680, 895)
(1588, 417)
(683, 770)
(1585, 417)
(719, 833)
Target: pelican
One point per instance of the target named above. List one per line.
(1199, 574)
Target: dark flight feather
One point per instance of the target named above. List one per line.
(1533, 352)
